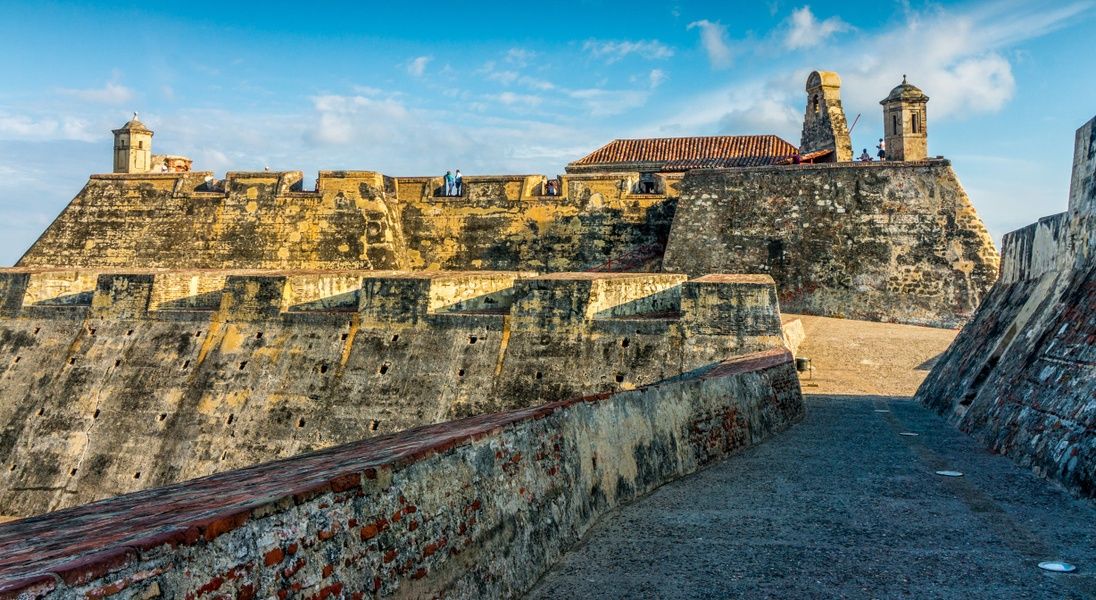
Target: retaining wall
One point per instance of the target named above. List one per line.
(478, 508)
(116, 382)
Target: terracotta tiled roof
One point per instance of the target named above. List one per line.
(733, 150)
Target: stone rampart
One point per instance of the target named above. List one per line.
(357, 220)
(1021, 376)
(878, 241)
(478, 508)
(112, 382)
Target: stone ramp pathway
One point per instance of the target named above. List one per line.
(841, 506)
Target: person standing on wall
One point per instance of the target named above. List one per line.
(450, 183)
(882, 149)
(459, 183)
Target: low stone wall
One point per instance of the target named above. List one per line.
(478, 508)
(1021, 376)
(116, 382)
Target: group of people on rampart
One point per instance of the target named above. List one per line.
(454, 184)
(881, 148)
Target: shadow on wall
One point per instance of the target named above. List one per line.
(602, 239)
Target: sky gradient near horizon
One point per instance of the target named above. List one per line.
(497, 87)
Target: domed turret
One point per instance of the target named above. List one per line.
(904, 122)
(133, 147)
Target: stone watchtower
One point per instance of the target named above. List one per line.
(133, 147)
(824, 125)
(904, 124)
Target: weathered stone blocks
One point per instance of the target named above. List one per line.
(478, 508)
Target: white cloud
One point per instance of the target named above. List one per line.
(512, 99)
(519, 56)
(745, 108)
(656, 77)
(417, 66)
(22, 127)
(713, 36)
(341, 118)
(613, 51)
(956, 56)
(603, 103)
(806, 31)
(111, 93)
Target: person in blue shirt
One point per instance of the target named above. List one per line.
(450, 183)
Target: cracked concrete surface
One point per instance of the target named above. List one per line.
(842, 506)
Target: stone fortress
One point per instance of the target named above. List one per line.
(386, 390)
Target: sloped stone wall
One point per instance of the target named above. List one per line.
(1021, 376)
(478, 508)
(894, 242)
(116, 382)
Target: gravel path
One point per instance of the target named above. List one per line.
(841, 506)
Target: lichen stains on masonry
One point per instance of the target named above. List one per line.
(407, 512)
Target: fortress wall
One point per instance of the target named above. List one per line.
(138, 386)
(1021, 376)
(254, 221)
(879, 241)
(479, 508)
(509, 224)
(355, 220)
(1042, 247)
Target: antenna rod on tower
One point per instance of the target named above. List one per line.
(854, 122)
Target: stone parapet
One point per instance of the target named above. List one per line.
(416, 514)
(121, 380)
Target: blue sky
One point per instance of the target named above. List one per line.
(509, 87)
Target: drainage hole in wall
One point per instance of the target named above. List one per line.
(11, 468)
(243, 363)
(624, 343)
(259, 335)
(472, 339)
(619, 378)
(186, 364)
(300, 423)
(118, 363)
(323, 368)
(224, 455)
(231, 418)
(91, 332)
(162, 417)
(383, 369)
(344, 336)
(18, 358)
(372, 426)
(396, 338)
(197, 334)
(137, 475)
(41, 411)
(96, 414)
(36, 330)
(72, 360)
(130, 332)
(540, 375)
(460, 373)
(72, 472)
